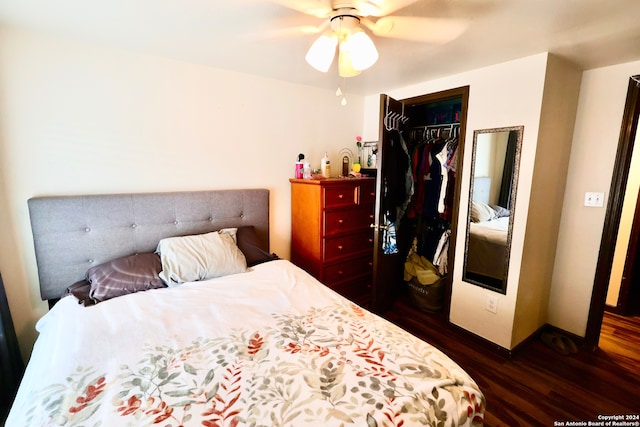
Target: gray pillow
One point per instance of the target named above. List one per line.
(500, 211)
(124, 275)
(249, 245)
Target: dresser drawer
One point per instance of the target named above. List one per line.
(368, 193)
(347, 270)
(340, 221)
(341, 196)
(350, 244)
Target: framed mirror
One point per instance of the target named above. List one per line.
(492, 194)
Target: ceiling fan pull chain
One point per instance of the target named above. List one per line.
(342, 88)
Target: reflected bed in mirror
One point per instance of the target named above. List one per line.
(492, 193)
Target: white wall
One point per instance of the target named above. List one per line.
(81, 119)
(507, 94)
(555, 136)
(602, 97)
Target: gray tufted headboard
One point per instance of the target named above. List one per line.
(73, 233)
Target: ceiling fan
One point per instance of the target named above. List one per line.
(342, 29)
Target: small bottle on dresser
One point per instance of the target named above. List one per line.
(325, 166)
(299, 166)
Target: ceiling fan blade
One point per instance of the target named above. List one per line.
(287, 32)
(419, 29)
(377, 7)
(289, 27)
(317, 8)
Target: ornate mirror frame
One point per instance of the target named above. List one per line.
(497, 283)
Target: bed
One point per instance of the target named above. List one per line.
(265, 346)
(487, 247)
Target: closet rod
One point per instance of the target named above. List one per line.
(447, 125)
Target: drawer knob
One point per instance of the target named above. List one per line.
(340, 247)
(340, 196)
(340, 273)
(340, 221)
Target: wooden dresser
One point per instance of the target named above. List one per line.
(331, 237)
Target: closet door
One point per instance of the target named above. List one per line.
(387, 266)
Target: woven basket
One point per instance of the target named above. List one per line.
(427, 297)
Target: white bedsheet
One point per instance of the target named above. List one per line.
(487, 247)
(268, 347)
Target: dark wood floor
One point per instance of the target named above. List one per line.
(536, 386)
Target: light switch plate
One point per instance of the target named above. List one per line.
(594, 199)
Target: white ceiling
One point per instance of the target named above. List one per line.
(242, 35)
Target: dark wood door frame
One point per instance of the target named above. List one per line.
(614, 212)
(387, 268)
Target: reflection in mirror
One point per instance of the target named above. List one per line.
(492, 193)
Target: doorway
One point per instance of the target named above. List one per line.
(614, 212)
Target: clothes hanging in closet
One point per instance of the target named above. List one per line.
(433, 162)
(399, 186)
(433, 166)
(441, 256)
(452, 161)
(429, 232)
(389, 241)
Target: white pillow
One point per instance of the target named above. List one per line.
(233, 232)
(200, 257)
(480, 212)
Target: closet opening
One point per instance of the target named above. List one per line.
(418, 187)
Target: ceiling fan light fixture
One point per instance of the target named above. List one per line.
(345, 62)
(356, 51)
(320, 54)
(363, 52)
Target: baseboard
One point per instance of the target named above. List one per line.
(481, 341)
(511, 353)
(534, 336)
(614, 309)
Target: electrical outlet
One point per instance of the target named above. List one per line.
(594, 199)
(491, 304)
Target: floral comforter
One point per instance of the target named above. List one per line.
(270, 347)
